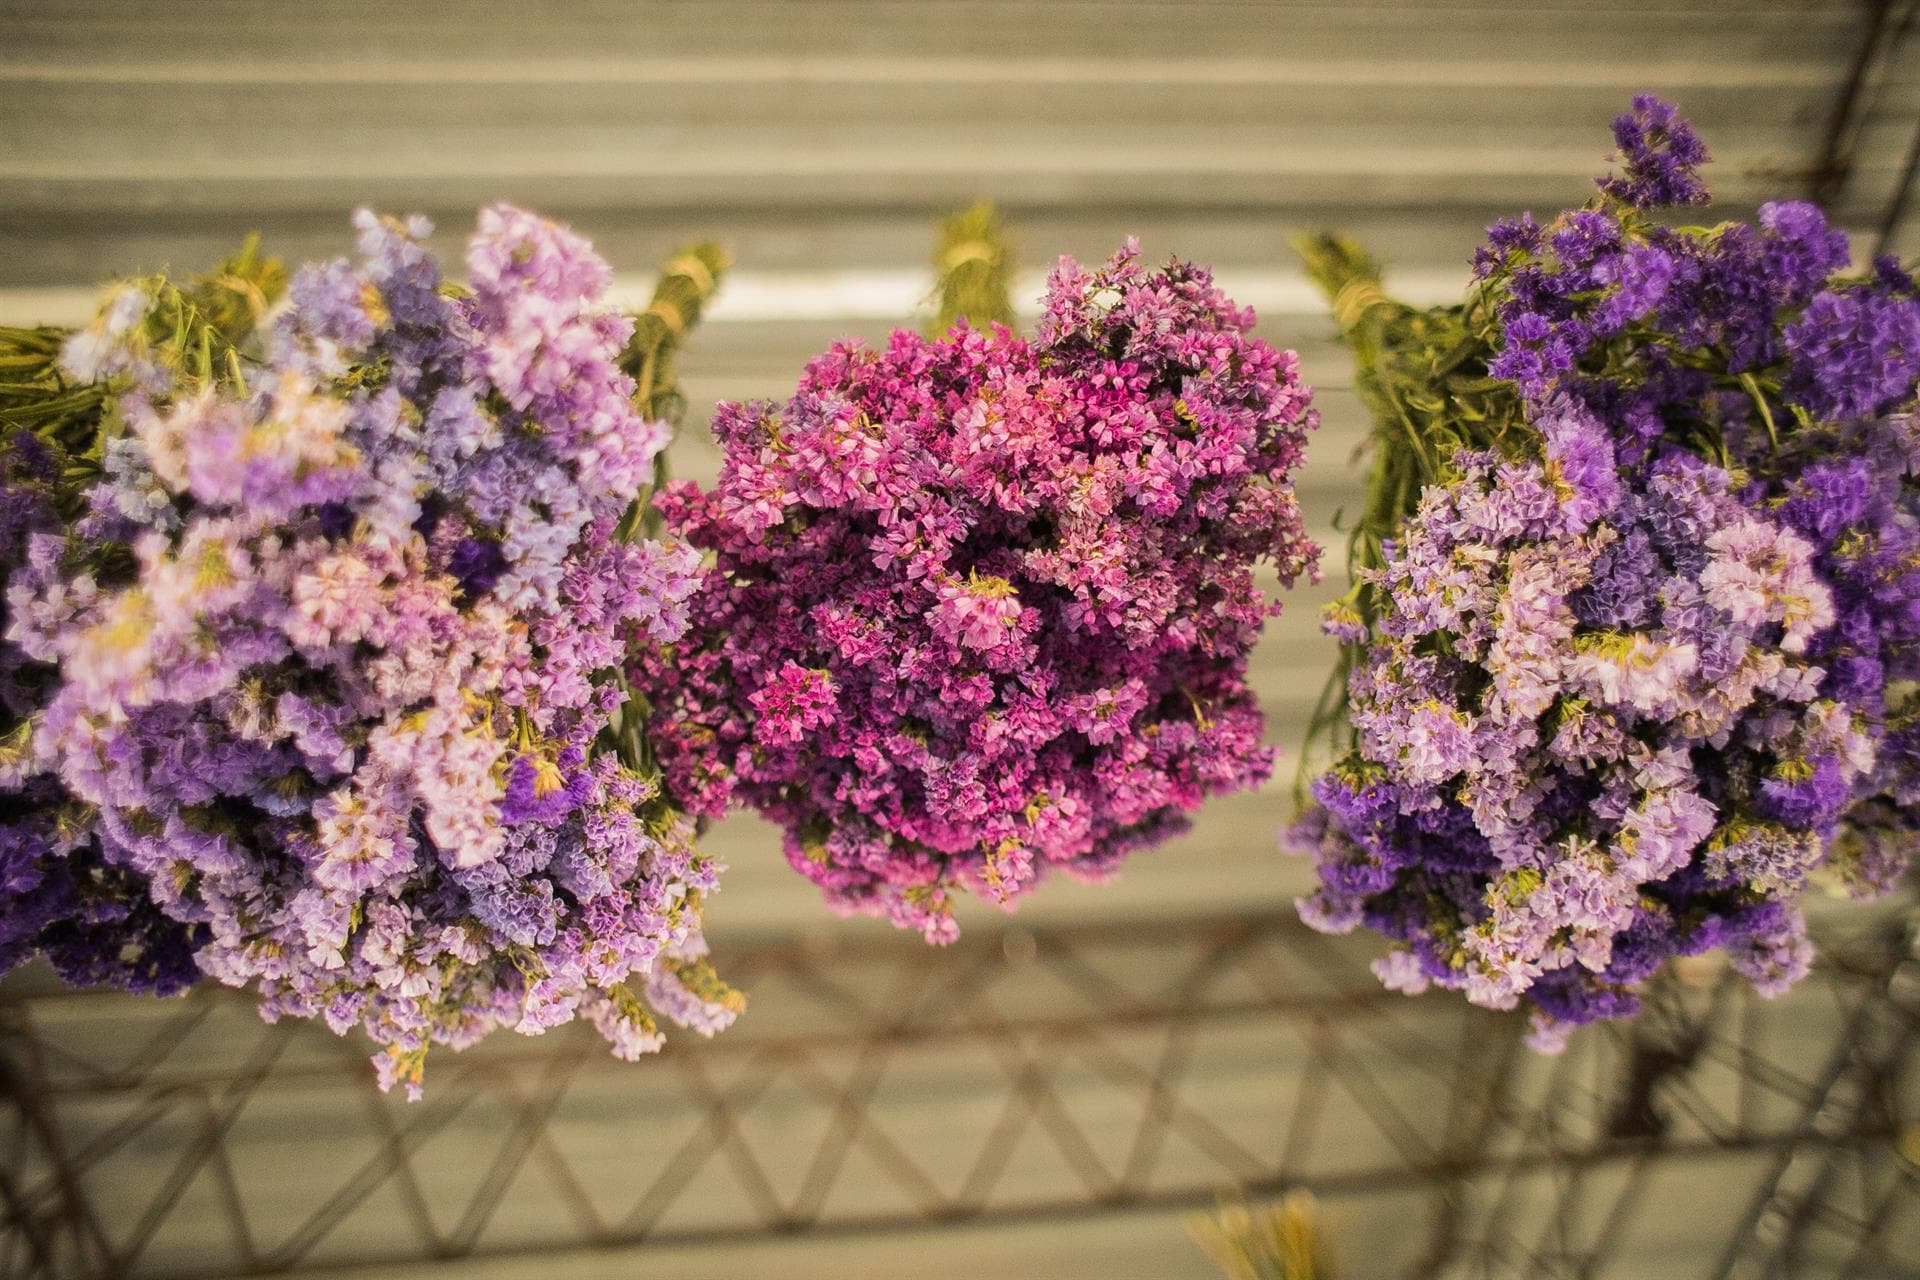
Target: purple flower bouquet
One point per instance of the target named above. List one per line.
(330, 650)
(1631, 648)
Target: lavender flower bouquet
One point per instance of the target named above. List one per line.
(983, 605)
(60, 896)
(336, 635)
(1631, 645)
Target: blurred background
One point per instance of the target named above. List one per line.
(1054, 1095)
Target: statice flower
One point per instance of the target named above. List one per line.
(1662, 155)
(1536, 777)
(1853, 351)
(349, 699)
(93, 922)
(1635, 668)
(982, 604)
(59, 899)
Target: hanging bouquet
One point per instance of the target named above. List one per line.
(982, 605)
(60, 897)
(338, 634)
(1631, 646)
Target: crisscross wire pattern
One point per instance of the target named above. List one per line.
(1057, 1073)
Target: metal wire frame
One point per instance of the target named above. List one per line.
(1883, 25)
(885, 1088)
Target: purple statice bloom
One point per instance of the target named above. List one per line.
(1575, 731)
(1641, 276)
(478, 564)
(1505, 238)
(1800, 249)
(539, 793)
(332, 311)
(1580, 463)
(1583, 236)
(1535, 354)
(1814, 798)
(1853, 353)
(1661, 154)
(60, 899)
(28, 468)
(524, 913)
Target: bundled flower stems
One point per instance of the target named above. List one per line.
(1630, 653)
(317, 609)
(981, 605)
(1286, 1240)
(974, 266)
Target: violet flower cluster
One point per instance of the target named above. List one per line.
(1631, 673)
(59, 897)
(339, 644)
(982, 605)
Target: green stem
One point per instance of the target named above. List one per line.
(1748, 381)
(1422, 376)
(688, 282)
(975, 269)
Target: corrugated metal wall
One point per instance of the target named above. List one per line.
(821, 133)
